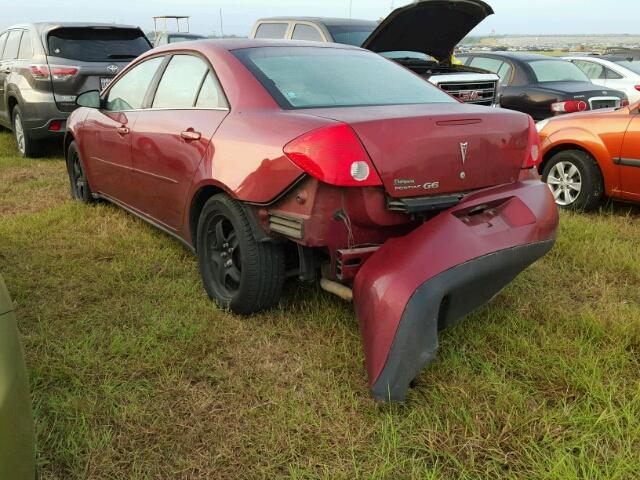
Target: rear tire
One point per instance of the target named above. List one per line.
(80, 189)
(27, 146)
(238, 272)
(575, 180)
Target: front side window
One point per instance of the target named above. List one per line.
(557, 71)
(271, 30)
(26, 50)
(128, 92)
(12, 46)
(180, 82)
(312, 77)
(306, 32)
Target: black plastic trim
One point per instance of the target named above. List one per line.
(627, 162)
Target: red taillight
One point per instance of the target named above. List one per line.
(624, 103)
(533, 149)
(55, 126)
(637, 87)
(570, 106)
(333, 155)
(44, 72)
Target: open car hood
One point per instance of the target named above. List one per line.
(432, 27)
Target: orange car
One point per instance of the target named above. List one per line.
(591, 155)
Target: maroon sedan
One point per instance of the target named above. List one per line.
(275, 159)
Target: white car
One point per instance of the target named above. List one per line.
(616, 72)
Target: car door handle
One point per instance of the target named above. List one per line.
(190, 135)
(123, 130)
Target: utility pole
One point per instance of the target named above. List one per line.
(221, 29)
(350, 8)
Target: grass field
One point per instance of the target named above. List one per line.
(135, 374)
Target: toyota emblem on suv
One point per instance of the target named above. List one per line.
(113, 68)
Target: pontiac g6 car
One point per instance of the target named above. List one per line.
(271, 158)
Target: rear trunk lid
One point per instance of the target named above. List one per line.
(423, 150)
(98, 54)
(432, 27)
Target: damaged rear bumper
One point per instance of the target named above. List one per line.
(415, 285)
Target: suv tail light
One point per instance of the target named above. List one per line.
(333, 155)
(533, 149)
(56, 72)
(570, 106)
(637, 87)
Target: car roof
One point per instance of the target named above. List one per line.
(231, 44)
(322, 20)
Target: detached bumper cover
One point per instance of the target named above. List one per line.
(415, 285)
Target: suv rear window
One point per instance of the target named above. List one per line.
(311, 77)
(97, 44)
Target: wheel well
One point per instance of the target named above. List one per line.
(560, 148)
(68, 138)
(12, 102)
(197, 203)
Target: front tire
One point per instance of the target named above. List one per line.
(80, 189)
(238, 272)
(575, 180)
(27, 146)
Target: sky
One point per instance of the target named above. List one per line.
(512, 16)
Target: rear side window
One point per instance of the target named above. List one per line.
(306, 32)
(611, 75)
(3, 40)
(271, 30)
(128, 93)
(310, 77)
(593, 70)
(26, 50)
(180, 82)
(211, 95)
(97, 44)
(12, 46)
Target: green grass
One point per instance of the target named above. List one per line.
(135, 374)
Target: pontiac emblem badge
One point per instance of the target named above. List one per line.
(464, 147)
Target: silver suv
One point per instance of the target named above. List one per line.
(44, 66)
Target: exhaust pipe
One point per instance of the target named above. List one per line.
(336, 288)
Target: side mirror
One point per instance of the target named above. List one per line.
(90, 99)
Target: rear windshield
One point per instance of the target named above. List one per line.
(632, 65)
(351, 34)
(314, 77)
(557, 71)
(97, 44)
